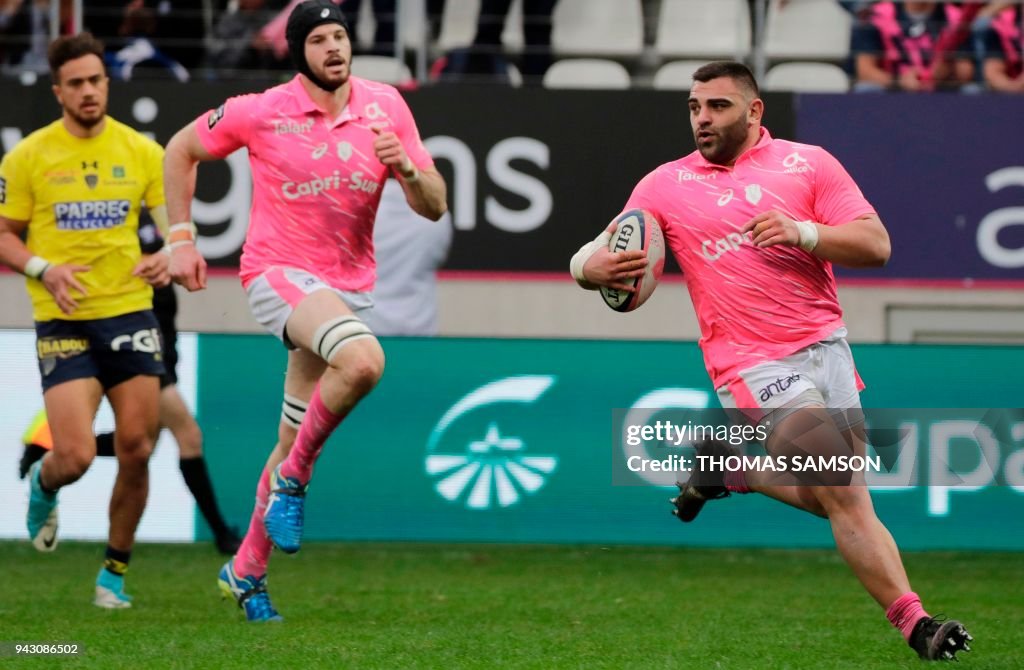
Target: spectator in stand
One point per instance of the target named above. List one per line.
(103, 18)
(138, 27)
(236, 43)
(1000, 38)
(26, 28)
(384, 15)
(486, 55)
(898, 46)
(180, 30)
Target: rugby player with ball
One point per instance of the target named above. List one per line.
(756, 223)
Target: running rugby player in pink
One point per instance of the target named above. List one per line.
(321, 147)
(755, 224)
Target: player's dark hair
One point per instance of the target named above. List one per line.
(738, 72)
(69, 47)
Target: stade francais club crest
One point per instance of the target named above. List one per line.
(477, 461)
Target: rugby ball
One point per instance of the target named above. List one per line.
(637, 229)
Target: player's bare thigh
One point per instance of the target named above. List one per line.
(321, 307)
(812, 432)
(71, 407)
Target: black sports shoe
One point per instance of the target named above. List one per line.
(228, 542)
(703, 484)
(32, 453)
(938, 639)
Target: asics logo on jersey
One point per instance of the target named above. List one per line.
(292, 127)
(715, 249)
(147, 341)
(91, 214)
(795, 163)
(332, 182)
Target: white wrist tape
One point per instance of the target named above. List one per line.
(808, 234)
(170, 247)
(182, 232)
(408, 171)
(583, 255)
(36, 266)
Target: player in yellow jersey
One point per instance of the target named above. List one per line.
(74, 188)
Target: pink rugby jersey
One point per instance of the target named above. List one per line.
(753, 304)
(316, 181)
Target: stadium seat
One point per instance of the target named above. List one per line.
(381, 68)
(807, 30)
(412, 28)
(593, 73)
(459, 21)
(611, 28)
(412, 23)
(807, 78)
(676, 75)
(703, 28)
(458, 24)
(512, 35)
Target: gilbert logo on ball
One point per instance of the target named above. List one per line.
(637, 230)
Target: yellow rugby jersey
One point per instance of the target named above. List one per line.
(81, 198)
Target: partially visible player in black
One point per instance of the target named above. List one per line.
(174, 414)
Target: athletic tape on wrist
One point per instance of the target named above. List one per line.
(583, 255)
(36, 267)
(408, 171)
(187, 227)
(808, 234)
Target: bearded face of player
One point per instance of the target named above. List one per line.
(329, 53)
(82, 90)
(725, 119)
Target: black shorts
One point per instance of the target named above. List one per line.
(111, 350)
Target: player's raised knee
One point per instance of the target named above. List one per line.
(362, 367)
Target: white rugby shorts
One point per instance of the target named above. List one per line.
(275, 294)
(822, 374)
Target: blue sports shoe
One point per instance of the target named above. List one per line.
(110, 591)
(42, 512)
(285, 507)
(249, 592)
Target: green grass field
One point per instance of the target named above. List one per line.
(451, 606)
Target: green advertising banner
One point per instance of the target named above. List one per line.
(486, 440)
